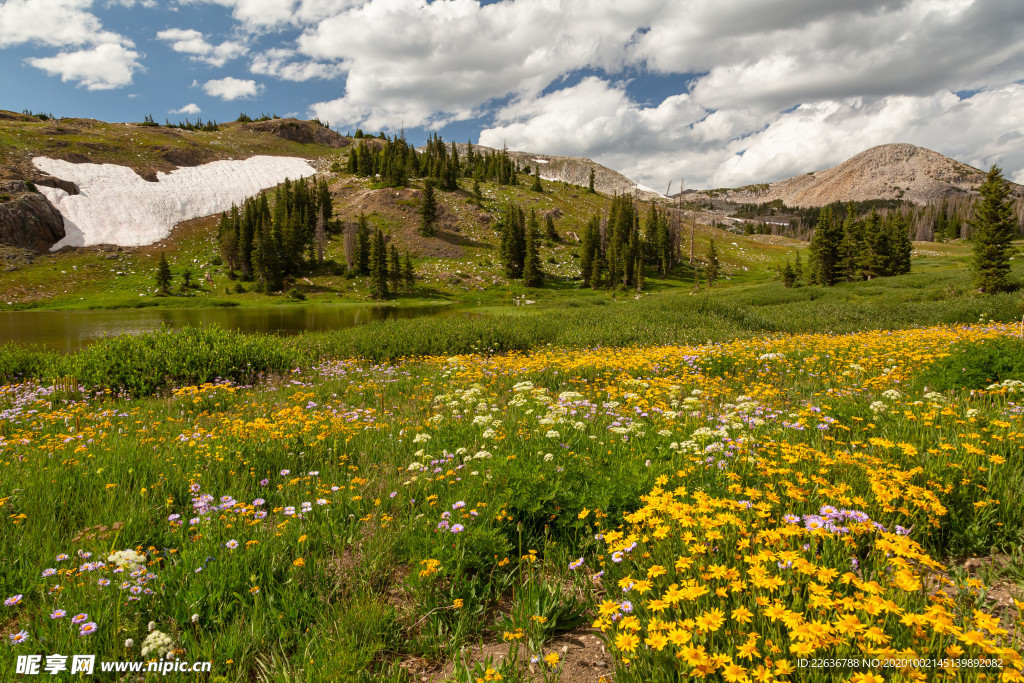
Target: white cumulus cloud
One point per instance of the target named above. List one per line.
(191, 109)
(231, 88)
(103, 67)
(194, 43)
(103, 60)
(281, 63)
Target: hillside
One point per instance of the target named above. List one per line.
(148, 149)
(573, 170)
(894, 171)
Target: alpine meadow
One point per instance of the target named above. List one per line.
(474, 396)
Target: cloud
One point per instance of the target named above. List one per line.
(231, 88)
(679, 137)
(429, 64)
(267, 14)
(103, 67)
(194, 43)
(190, 109)
(278, 63)
(51, 22)
(106, 59)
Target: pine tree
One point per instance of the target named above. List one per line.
(395, 269)
(788, 275)
(900, 245)
(549, 224)
(378, 267)
(513, 241)
(713, 267)
(163, 275)
(186, 279)
(321, 237)
(825, 261)
(798, 267)
(536, 187)
(364, 242)
(428, 210)
(590, 188)
(532, 275)
(408, 273)
(477, 195)
(993, 228)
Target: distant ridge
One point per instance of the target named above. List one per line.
(893, 171)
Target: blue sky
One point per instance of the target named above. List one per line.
(723, 92)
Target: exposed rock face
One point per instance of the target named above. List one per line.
(28, 219)
(300, 131)
(896, 171)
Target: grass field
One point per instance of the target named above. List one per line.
(722, 483)
(716, 485)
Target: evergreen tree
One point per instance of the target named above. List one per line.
(513, 241)
(798, 266)
(378, 267)
(186, 279)
(361, 253)
(477, 195)
(532, 275)
(428, 210)
(993, 228)
(825, 260)
(321, 237)
(900, 245)
(408, 273)
(590, 188)
(713, 267)
(536, 187)
(591, 251)
(876, 253)
(163, 275)
(788, 275)
(395, 269)
(549, 225)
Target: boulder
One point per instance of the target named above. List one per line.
(27, 218)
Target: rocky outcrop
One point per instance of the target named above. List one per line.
(27, 218)
(304, 132)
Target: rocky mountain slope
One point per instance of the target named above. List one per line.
(573, 170)
(894, 171)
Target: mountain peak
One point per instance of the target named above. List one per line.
(892, 171)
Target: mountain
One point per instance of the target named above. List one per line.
(894, 171)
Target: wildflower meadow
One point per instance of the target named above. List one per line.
(782, 508)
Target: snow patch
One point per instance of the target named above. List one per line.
(116, 206)
(542, 161)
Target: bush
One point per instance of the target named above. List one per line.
(976, 366)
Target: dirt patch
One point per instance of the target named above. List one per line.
(189, 156)
(583, 658)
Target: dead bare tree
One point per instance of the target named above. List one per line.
(349, 243)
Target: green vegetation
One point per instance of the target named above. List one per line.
(994, 230)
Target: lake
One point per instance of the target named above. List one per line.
(69, 331)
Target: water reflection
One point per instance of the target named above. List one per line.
(69, 331)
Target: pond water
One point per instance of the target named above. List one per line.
(69, 331)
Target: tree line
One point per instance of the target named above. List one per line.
(852, 249)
